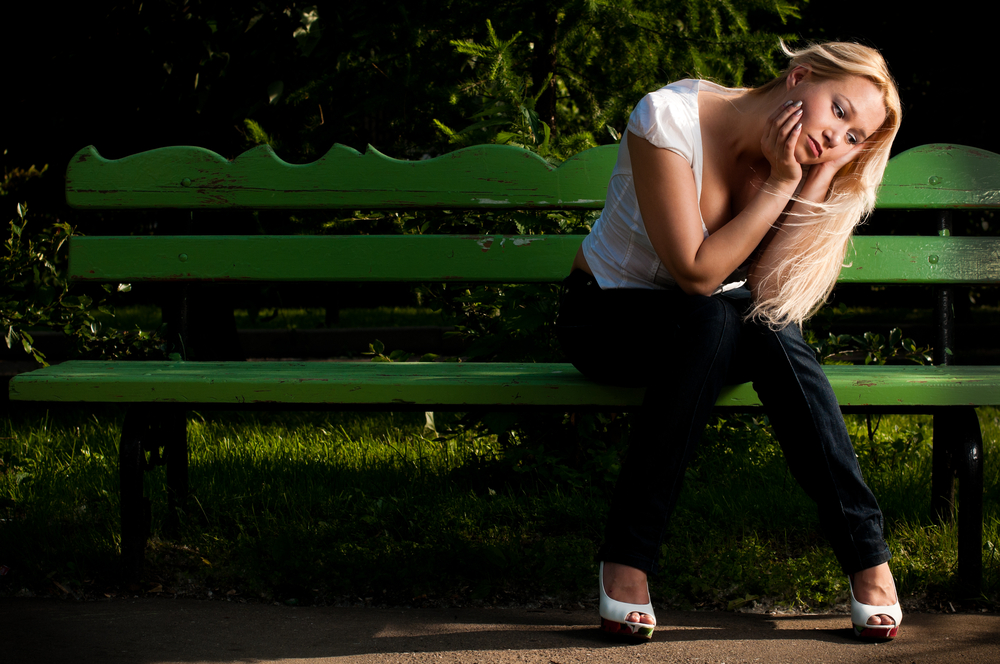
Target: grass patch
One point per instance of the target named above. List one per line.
(325, 507)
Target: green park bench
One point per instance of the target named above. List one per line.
(933, 177)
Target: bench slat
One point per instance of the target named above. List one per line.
(482, 176)
(514, 259)
(503, 259)
(941, 176)
(455, 384)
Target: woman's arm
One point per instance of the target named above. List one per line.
(668, 202)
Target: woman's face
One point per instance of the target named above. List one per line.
(837, 114)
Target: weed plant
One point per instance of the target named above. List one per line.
(374, 508)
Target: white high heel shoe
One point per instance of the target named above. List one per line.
(613, 614)
(860, 613)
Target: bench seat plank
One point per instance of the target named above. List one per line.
(453, 384)
(496, 258)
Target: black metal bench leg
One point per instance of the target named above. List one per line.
(176, 454)
(958, 451)
(134, 506)
(968, 459)
(943, 467)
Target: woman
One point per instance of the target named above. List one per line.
(727, 220)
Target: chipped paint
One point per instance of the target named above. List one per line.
(490, 201)
(485, 243)
(524, 241)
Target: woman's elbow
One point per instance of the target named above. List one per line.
(694, 286)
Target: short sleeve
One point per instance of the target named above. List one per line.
(667, 119)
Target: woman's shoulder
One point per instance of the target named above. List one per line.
(684, 92)
(687, 90)
(668, 117)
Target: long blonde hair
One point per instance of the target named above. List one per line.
(803, 279)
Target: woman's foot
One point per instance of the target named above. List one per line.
(874, 586)
(875, 608)
(628, 585)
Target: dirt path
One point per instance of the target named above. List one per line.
(38, 631)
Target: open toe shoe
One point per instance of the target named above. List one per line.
(861, 613)
(613, 614)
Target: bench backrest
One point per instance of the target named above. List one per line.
(482, 177)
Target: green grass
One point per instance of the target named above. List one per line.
(324, 507)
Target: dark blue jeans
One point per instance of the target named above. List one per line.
(684, 349)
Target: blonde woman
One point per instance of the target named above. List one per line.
(727, 219)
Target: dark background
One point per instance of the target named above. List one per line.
(131, 76)
(123, 79)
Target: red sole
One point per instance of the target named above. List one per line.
(874, 634)
(625, 630)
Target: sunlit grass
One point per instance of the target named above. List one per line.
(341, 506)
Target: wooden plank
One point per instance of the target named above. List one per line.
(452, 384)
(941, 176)
(896, 259)
(487, 176)
(495, 258)
(498, 258)
(484, 176)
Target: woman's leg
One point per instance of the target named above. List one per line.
(680, 347)
(810, 428)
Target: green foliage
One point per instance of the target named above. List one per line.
(508, 115)
(256, 135)
(872, 347)
(551, 89)
(35, 294)
(17, 177)
(377, 350)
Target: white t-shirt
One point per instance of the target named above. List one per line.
(617, 249)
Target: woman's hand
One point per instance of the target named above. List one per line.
(829, 169)
(779, 141)
(820, 176)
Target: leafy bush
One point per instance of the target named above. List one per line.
(36, 294)
(872, 347)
